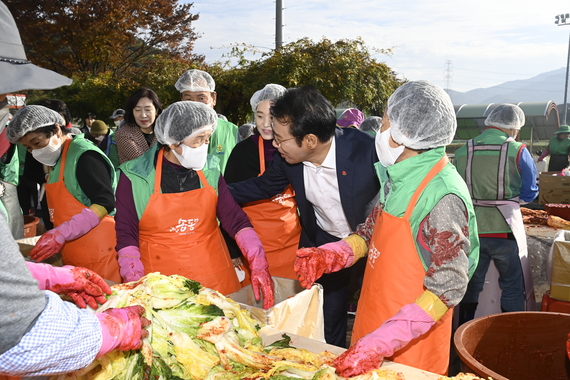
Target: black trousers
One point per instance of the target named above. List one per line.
(557, 162)
(335, 305)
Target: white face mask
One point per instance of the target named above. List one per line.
(99, 138)
(386, 154)
(117, 122)
(49, 154)
(192, 158)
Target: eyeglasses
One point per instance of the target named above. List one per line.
(278, 143)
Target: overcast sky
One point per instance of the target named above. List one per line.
(486, 42)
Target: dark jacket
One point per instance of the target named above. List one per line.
(357, 181)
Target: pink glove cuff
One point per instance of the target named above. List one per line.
(395, 333)
(79, 224)
(345, 250)
(130, 265)
(120, 329)
(48, 275)
(545, 153)
(261, 281)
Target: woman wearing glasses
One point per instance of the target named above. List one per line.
(169, 202)
(278, 213)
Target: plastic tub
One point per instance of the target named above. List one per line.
(516, 346)
(30, 223)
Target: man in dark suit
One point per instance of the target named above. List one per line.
(332, 172)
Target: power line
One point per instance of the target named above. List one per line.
(448, 77)
(492, 72)
(508, 88)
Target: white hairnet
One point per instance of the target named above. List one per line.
(506, 116)
(182, 120)
(195, 80)
(29, 119)
(371, 124)
(271, 91)
(245, 130)
(421, 115)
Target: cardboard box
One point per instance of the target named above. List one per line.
(560, 277)
(296, 310)
(553, 189)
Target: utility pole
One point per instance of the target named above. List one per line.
(560, 21)
(278, 24)
(448, 77)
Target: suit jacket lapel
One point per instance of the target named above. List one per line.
(345, 175)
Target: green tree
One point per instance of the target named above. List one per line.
(84, 38)
(109, 47)
(344, 71)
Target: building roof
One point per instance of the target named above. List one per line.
(541, 120)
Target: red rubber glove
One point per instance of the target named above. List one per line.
(395, 333)
(122, 329)
(84, 286)
(311, 263)
(130, 265)
(53, 240)
(261, 281)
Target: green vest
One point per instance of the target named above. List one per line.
(10, 171)
(405, 178)
(223, 141)
(382, 174)
(77, 147)
(141, 172)
(5, 212)
(21, 158)
(494, 175)
(556, 146)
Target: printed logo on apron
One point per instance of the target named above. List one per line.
(373, 254)
(185, 226)
(281, 198)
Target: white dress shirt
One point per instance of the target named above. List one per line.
(321, 189)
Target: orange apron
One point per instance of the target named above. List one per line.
(276, 222)
(96, 249)
(394, 277)
(179, 234)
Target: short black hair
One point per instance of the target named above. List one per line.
(58, 106)
(306, 111)
(134, 99)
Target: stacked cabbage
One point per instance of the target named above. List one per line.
(196, 333)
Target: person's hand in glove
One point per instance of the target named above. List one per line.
(84, 286)
(311, 263)
(53, 240)
(130, 265)
(122, 329)
(545, 153)
(261, 281)
(412, 321)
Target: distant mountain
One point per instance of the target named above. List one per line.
(543, 87)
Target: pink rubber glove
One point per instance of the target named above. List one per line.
(545, 153)
(53, 240)
(84, 286)
(395, 333)
(130, 265)
(311, 263)
(122, 329)
(251, 247)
